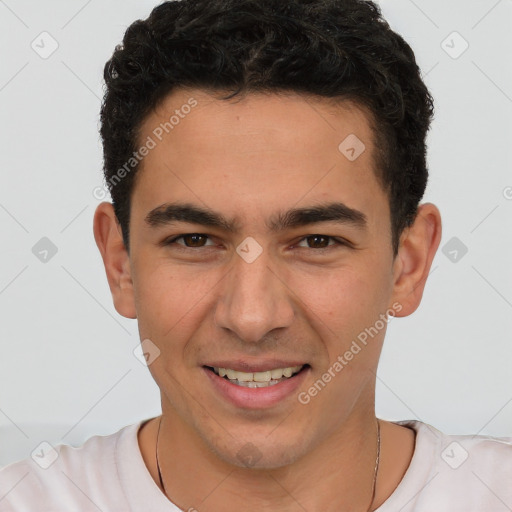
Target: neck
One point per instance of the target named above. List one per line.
(345, 468)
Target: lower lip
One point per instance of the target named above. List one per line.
(256, 398)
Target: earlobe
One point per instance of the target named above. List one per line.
(109, 240)
(418, 246)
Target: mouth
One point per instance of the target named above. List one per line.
(261, 379)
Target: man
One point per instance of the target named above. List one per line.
(266, 160)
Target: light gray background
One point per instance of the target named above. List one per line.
(67, 369)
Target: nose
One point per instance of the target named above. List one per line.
(254, 299)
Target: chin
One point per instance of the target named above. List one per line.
(260, 453)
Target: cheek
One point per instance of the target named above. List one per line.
(166, 297)
(340, 296)
(343, 303)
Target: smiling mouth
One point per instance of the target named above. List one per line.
(258, 379)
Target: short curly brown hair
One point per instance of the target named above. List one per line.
(339, 49)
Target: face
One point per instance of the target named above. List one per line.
(252, 289)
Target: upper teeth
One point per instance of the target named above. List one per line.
(267, 376)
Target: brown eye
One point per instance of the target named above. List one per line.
(192, 240)
(319, 241)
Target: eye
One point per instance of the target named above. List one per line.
(192, 240)
(320, 242)
(198, 240)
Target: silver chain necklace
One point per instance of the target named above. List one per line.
(377, 460)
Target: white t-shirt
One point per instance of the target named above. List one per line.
(447, 473)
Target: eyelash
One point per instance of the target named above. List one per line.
(337, 242)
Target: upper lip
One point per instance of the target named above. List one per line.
(241, 365)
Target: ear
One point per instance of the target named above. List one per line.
(109, 239)
(418, 246)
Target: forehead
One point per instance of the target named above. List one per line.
(245, 155)
(282, 119)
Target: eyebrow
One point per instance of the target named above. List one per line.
(170, 213)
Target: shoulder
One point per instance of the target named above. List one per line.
(454, 450)
(61, 475)
(454, 473)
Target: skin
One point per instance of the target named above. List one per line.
(249, 159)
